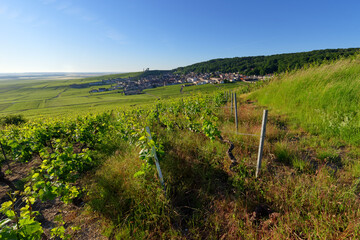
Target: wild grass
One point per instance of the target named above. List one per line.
(324, 99)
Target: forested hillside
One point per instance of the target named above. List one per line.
(261, 65)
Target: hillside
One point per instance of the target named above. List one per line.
(262, 65)
(325, 99)
(94, 175)
(40, 97)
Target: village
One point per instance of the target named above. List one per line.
(135, 85)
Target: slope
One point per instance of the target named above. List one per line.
(324, 99)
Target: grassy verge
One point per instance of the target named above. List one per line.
(325, 99)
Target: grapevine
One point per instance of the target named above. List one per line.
(66, 148)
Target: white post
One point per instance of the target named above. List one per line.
(261, 144)
(232, 103)
(236, 115)
(156, 159)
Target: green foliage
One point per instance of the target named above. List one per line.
(20, 225)
(239, 179)
(209, 128)
(12, 120)
(66, 147)
(204, 199)
(262, 65)
(60, 231)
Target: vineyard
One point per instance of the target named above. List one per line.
(64, 150)
(104, 164)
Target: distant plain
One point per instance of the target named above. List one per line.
(54, 97)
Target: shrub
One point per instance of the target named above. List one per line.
(13, 120)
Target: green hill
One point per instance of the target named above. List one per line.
(261, 65)
(325, 99)
(92, 174)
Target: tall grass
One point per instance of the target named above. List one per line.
(324, 99)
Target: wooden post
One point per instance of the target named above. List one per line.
(236, 114)
(156, 160)
(261, 144)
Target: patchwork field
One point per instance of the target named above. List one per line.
(34, 98)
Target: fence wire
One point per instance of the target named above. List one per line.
(244, 134)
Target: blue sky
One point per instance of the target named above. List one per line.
(122, 36)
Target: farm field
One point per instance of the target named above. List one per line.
(35, 98)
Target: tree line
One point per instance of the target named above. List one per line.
(262, 65)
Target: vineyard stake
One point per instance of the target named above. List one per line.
(236, 114)
(156, 159)
(232, 103)
(261, 144)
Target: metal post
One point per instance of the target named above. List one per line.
(232, 100)
(156, 160)
(236, 115)
(261, 144)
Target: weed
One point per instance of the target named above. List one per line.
(283, 153)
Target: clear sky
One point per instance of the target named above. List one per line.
(129, 35)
